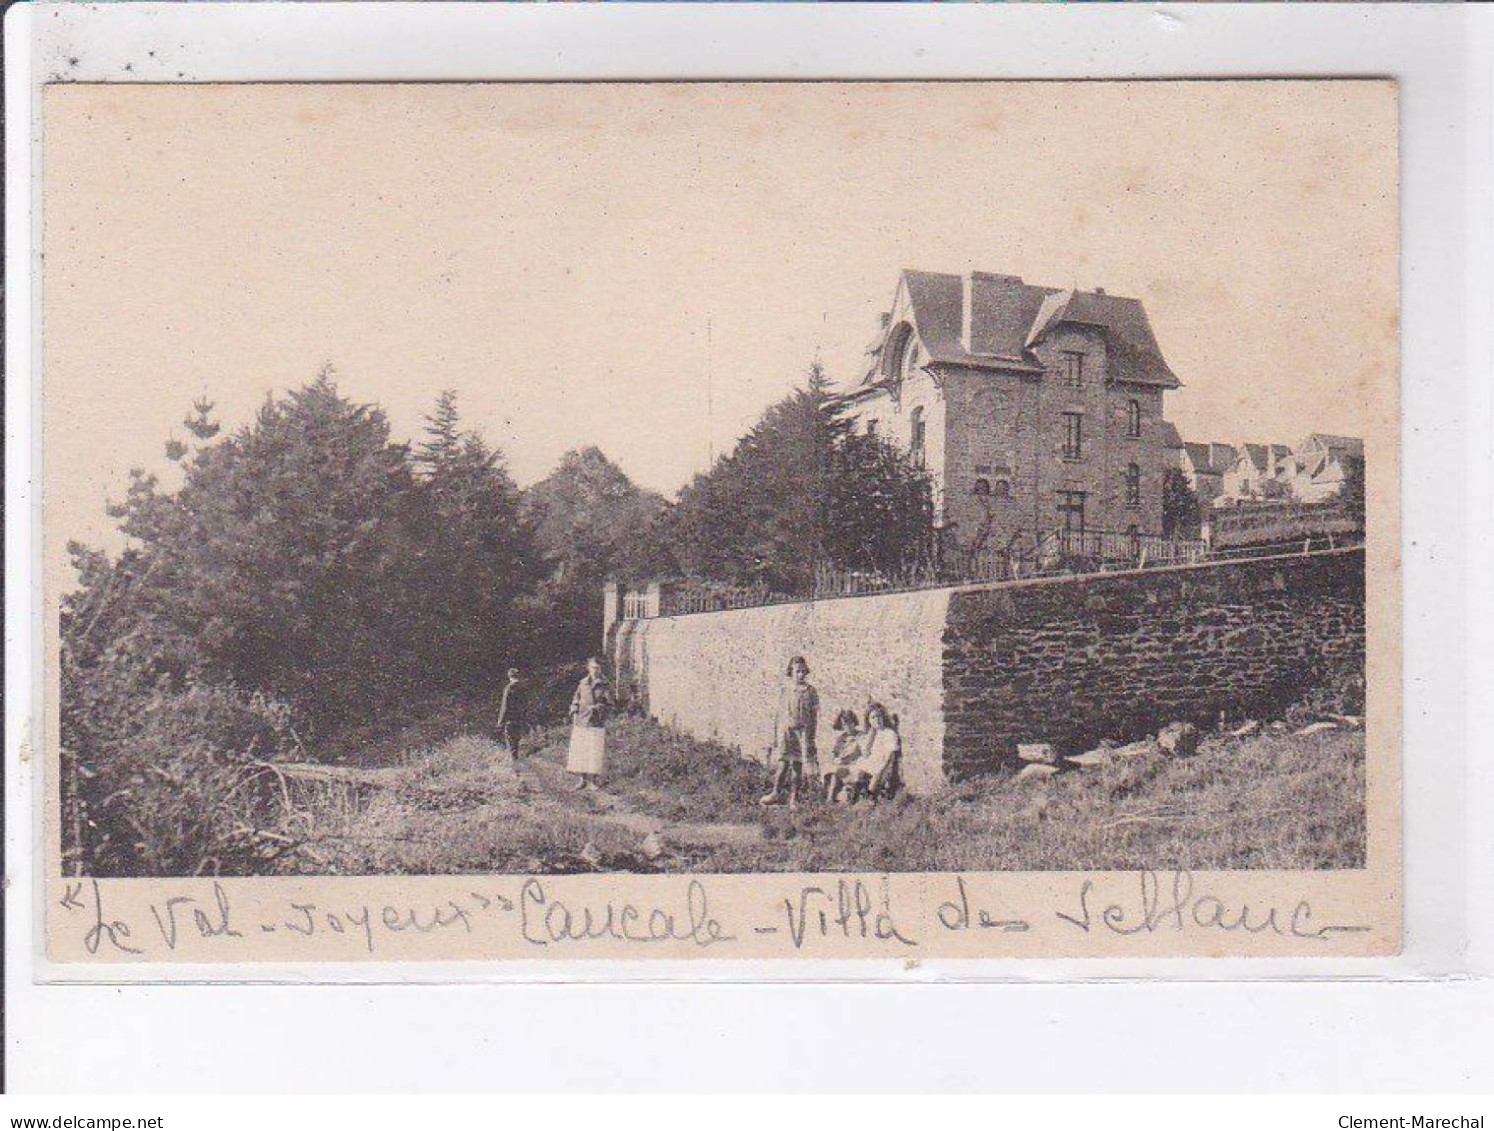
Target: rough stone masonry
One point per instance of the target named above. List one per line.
(975, 670)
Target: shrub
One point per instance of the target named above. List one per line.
(179, 783)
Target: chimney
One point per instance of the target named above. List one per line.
(967, 309)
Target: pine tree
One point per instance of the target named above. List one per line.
(1182, 513)
(480, 566)
(279, 557)
(443, 434)
(200, 423)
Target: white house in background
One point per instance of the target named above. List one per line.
(1204, 466)
(1260, 471)
(1320, 465)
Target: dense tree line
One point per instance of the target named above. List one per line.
(587, 514)
(308, 574)
(311, 577)
(803, 488)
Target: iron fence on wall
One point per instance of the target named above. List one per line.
(1057, 553)
(1243, 525)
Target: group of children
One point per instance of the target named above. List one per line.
(863, 762)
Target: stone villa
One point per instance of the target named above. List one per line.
(1032, 408)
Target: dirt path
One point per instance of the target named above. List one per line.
(549, 780)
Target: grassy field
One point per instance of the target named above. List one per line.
(671, 804)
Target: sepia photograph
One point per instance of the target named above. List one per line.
(727, 479)
(560, 551)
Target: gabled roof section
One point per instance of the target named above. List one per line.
(1171, 438)
(1004, 309)
(1339, 445)
(1198, 456)
(1132, 351)
(1313, 454)
(1009, 317)
(1212, 458)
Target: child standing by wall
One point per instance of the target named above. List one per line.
(793, 733)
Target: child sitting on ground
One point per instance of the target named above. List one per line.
(845, 752)
(874, 774)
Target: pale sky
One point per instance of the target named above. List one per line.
(556, 254)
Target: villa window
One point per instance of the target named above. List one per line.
(1072, 362)
(902, 350)
(982, 487)
(1002, 489)
(1133, 485)
(1073, 435)
(910, 354)
(1133, 419)
(1071, 511)
(916, 450)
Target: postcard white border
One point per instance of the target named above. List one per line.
(1439, 55)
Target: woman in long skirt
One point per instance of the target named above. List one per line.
(587, 756)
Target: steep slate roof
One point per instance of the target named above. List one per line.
(1320, 447)
(938, 311)
(1257, 454)
(1339, 445)
(1222, 457)
(1011, 317)
(1201, 456)
(1171, 438)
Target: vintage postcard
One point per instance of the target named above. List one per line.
(721, 521)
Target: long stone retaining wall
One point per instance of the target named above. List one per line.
(1116, 656)
(718, 675)
(973, 671)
